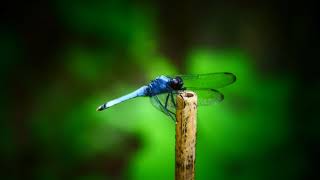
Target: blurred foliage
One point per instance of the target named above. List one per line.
(68, 57)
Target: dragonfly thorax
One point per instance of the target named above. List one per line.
(159, 85)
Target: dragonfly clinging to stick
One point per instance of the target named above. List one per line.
(163, 90)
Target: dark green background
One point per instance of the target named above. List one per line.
(61, 59)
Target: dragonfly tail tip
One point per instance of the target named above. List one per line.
(100, 108)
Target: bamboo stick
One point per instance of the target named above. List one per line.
(186, 128)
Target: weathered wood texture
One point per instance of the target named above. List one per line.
(186, 129)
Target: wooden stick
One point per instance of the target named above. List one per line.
(186, 129)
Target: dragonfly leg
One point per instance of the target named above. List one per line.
(174, 114)
(166, 104)
(165, 109)
(172, 100)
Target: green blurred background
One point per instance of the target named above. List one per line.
(61, 59)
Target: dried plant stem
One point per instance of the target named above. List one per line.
(186, 128)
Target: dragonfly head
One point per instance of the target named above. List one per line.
(176, 83)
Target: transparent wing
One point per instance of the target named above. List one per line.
(208, 96)
(166, 103)
(208, 81)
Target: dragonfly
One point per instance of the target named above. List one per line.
(163, 90)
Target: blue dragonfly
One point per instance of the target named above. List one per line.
(163, 90)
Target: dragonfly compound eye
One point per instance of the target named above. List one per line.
(176, 83)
